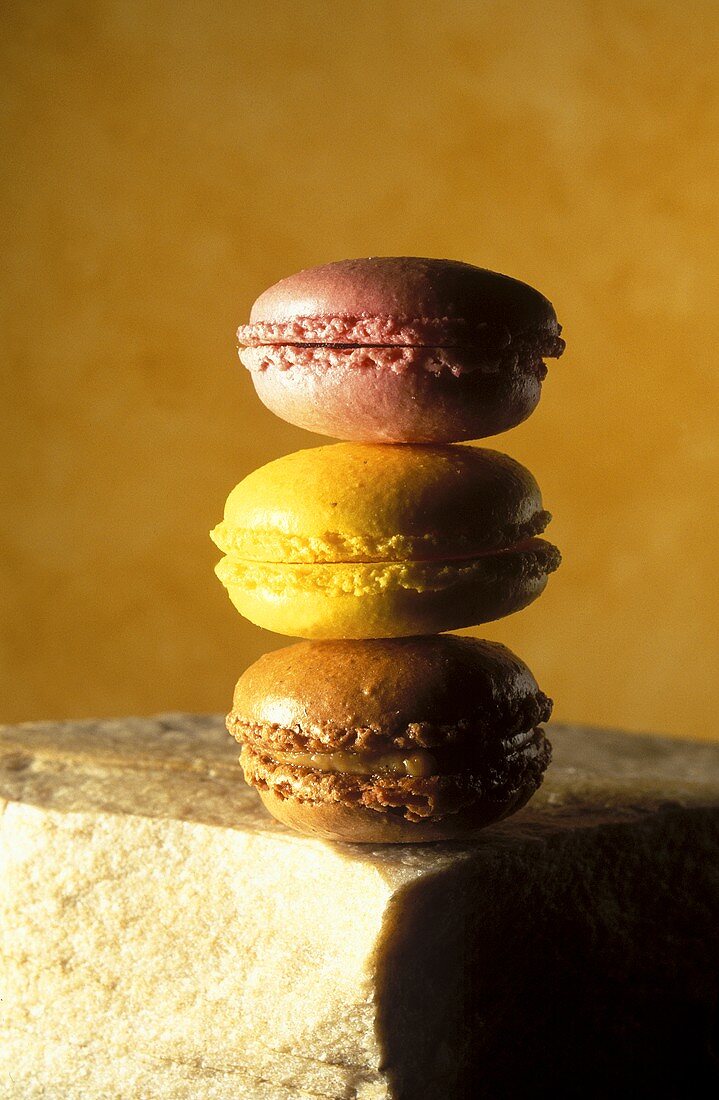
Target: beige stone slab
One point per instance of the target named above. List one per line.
(163, 938)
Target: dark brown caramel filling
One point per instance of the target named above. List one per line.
(418, 763)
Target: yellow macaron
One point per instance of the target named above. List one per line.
(360, 540)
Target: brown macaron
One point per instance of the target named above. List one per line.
(397, 740)
(400, 349)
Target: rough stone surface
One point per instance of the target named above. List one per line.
(163, 938)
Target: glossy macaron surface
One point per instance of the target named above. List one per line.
(400, 349)
(364, 540)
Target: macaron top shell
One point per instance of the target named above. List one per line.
(409, 693)
(407, 301)
(355, 502)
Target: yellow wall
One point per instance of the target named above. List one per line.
(168, 160)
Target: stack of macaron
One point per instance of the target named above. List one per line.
(380, 727)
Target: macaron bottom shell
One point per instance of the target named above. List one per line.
(378, 404)
(379, 809)
(388, 599)
(358, 825)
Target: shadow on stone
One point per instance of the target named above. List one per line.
(579, 965)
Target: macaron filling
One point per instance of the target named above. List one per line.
(416, 762)
(366, 578)
(397, 345)
(268, 545)
(474, 778)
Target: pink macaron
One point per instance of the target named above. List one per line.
(400, 349)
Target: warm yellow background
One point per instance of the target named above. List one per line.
(165, 161)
